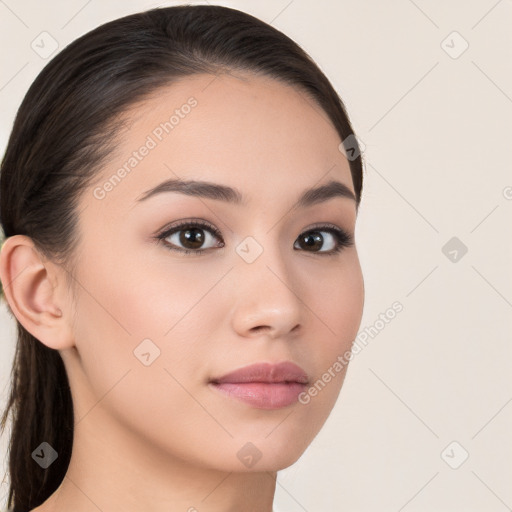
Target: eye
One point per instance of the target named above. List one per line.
(190, 237)
(335, 240)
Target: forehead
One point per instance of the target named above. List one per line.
(252, 132)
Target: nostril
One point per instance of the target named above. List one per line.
(259, 328)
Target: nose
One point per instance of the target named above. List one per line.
(266, 298)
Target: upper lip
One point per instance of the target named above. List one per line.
(265, 372)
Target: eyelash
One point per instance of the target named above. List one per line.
(343, 239)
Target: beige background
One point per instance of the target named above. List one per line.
(436, 122)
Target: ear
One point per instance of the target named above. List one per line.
(36, 292)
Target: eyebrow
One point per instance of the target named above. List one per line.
(220, 192)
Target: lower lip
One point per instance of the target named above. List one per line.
(263, 395)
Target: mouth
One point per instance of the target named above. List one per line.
(264, 385)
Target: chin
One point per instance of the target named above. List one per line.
(268, 464)
(255, 457)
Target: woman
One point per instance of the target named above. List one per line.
(179, 196)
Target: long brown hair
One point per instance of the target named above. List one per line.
(63, 131)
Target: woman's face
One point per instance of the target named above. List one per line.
(155, 326)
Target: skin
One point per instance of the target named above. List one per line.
(157, 437)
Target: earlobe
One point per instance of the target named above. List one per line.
(31, 289)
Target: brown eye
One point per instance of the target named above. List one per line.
(191, 237)
(332, 237)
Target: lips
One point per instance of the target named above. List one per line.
(263, 385)
(265, 372)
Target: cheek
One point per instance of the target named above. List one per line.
(338, 305)
(136, 297)
(131, 312)
(338, 308)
